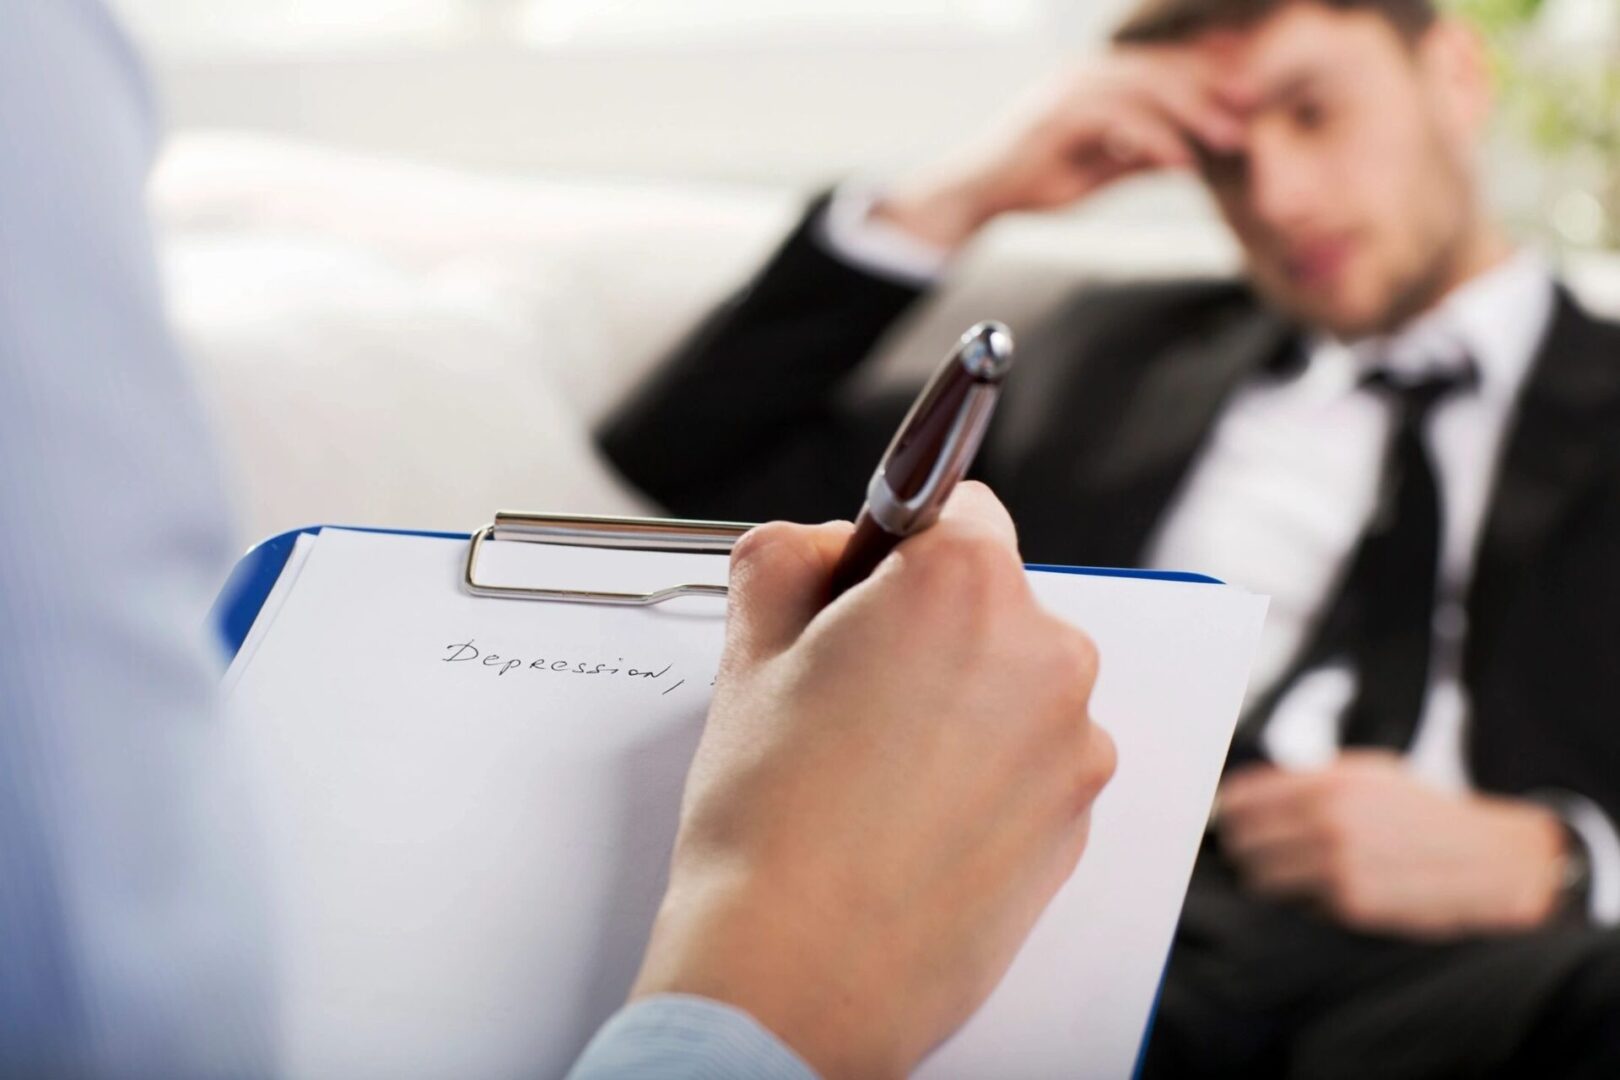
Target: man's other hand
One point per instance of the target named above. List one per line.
(888, 792)
(1134, 110)
(1382, 852)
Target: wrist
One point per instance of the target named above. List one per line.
(737, 944)
(1534, 888)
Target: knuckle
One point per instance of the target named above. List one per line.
(1066, 663)
(764, 544)
(1095, 764)
(1079, 653)
(1106, 753)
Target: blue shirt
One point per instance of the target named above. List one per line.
(130, 943)
(133, 940)
(678, 1037)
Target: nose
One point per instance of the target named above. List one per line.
(1284, 188)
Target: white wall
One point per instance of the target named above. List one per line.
(777, 101)
(777, 114)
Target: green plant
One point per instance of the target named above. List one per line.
(1564, 99)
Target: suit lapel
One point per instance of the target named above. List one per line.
(1568, 411)
(1166, 419)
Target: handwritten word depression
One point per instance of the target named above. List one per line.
(467, 652)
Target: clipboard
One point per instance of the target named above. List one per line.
(254, 576)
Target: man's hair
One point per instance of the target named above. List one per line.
(1159, 22)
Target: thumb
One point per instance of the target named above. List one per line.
(780, 575)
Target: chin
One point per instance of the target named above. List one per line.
(1332, 312)
(1349, 325)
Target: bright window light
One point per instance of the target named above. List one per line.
(683, 21)
(291, 25)
(282, 26)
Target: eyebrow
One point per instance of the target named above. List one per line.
(1297, 85)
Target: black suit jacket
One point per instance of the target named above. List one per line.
(753, 418)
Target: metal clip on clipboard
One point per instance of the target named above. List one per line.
(625, 533)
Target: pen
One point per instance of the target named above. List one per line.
(930, 453)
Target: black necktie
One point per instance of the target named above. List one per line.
(1380, 621)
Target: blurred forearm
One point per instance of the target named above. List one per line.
(746, 418)
(128, 922)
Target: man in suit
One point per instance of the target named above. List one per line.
(1399, 426)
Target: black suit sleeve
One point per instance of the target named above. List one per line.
(751, 418)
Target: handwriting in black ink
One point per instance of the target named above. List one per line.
(468, 652)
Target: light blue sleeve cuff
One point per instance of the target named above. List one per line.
(680, 1037)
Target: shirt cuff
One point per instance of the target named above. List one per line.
(848, 231)
(681, 1037)
(1602, 840)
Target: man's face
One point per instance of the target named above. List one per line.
(1354, 198)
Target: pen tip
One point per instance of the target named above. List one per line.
(987, 351)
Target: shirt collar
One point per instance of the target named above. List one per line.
(1498, 319)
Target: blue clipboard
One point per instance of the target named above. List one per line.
(256, 573)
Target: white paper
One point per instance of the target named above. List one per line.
(467, 852)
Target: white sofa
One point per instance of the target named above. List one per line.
(393, 344)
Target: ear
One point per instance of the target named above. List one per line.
(1456, 64)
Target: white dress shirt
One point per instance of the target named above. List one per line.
(1282, 493)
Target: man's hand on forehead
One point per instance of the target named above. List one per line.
(1223, 61)
(1184, 87)
(1132, 110)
